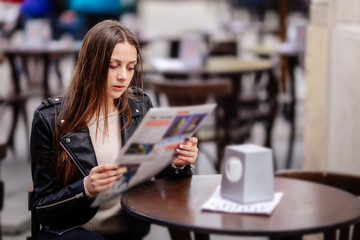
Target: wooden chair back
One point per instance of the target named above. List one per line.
(187, 92)
(346, 182)
(190, 92)
(35, 225)
(224, 48)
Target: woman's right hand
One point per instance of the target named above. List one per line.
(103, 177)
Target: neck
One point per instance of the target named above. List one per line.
(110, 109)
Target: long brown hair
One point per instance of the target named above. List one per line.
(86, 94)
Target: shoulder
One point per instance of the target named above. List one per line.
(50, 106)
(138, 98)
(137, 93)
(45, 114)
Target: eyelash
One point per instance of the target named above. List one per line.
(129, 68)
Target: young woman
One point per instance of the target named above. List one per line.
(75, 138)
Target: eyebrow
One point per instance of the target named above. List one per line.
(118, 60)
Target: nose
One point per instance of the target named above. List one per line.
(122, 74)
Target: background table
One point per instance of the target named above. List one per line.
(290, 56)
(305, 208)
(36, 86)
(54, 50)
(244, 107)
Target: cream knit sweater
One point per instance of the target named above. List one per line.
(109, 219)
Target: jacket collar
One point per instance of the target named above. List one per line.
(136, 114)
(79, 145)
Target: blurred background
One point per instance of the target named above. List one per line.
(292, 67)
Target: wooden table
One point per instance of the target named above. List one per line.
(229, 67)
(48, 52)
(17, 99)
(305, 208)
(235, 69)
(213, 65)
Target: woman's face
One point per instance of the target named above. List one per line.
(121, 70)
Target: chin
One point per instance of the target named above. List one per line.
(117, 95)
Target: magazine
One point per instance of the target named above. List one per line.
(152, 146)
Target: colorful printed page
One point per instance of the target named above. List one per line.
(152, 146)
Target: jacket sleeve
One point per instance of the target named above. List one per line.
(55, 208)
(170, 172)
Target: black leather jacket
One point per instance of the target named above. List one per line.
(59, 210)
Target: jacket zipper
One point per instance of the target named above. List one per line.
(69, 199)
(61, 233)
(72, 158)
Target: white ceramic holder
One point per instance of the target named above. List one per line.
(247, 174)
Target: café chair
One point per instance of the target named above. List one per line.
(142, 228)
(194, 92)
(256, 105)
(346, 182)
(223, 48)
(35, 225)
(3, 149)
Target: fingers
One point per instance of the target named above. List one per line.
(180, 162)
(99, 185)
(192, 141)
(187, 152)
(103, 177)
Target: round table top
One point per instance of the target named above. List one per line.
(52, 47)
(284, 49)
(213, 65)
(305, 207)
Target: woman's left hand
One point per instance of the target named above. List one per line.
(187, 152)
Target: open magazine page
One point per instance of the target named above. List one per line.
(152, 146)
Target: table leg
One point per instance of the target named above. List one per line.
(15, 116)
(46, 62)
(344, 233)
(330, 235)
(138, 228)
(58, 72)
(236, 80)
(292, 238)
(230, 104)
(221, 122)
(273, 90)
(286, 238)
(18, 107)
(179, 234)
(201, 236)
(14, 74)
(291, 110)
(25, 67)
(356, 231)
(26, 122)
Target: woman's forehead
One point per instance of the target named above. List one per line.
(124, 52)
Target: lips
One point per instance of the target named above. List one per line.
(118, 87)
